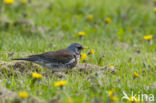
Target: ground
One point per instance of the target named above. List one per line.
(124, 59)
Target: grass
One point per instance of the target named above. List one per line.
(41, 26)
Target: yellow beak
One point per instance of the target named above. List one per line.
(85, 47)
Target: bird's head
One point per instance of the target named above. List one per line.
(76, 48)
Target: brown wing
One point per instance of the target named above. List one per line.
(61, 56)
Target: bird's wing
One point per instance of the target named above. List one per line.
(60, 56)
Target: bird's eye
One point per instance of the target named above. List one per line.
(79, 48)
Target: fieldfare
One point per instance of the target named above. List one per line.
(60, 60)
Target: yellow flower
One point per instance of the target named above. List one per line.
(8, 1)
(23, 95)
(108, 20)
(37, 76)
(90, 17)
(24, 1)
(113, 98)
(136, 74)
(92, 51)
(111, 92)
(83, 56)
(133, 99)
(148, 37)
(81, 34)
(111, 95)
(111, 67)
(70, 100)
(60, 83)
(154, 9)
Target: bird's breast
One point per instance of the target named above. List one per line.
(61, 66)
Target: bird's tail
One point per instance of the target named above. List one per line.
(26, 59)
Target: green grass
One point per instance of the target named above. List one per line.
(54, 24)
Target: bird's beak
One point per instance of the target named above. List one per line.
(85, 47)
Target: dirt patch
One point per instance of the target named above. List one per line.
(22, 67)
(15, 68)
(10, 96)
(6, 95)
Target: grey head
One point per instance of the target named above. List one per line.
(75, 48)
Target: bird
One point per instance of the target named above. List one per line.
(59, 60)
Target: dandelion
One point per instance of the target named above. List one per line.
(111, 67)
(37, 76)
(23, 95)
(108, 20)
(133, 99)
(148, 37)
(136, 74)
(24, 2)
(111, 95)
(60, 83)
(111, 92)
(81, 34)
(83, 56)
(92, 51)
(70, 100)
(8, 1)
(90, 17)
(154, 9)
(113, 98)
